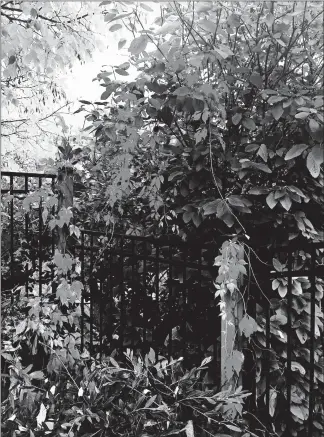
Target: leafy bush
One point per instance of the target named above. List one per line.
(139, 397)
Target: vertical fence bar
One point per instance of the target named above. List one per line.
(40, 238)
(133, 309)
(93, 287)
(185, 308)
(170, 300)
(26, 237)
(83, 290)
(289, 338)
(312, 343)
(145, 298)
(111, 298)
(11, 238)
(157, 285)
(122, 295)
(100, 322)
(267, 363)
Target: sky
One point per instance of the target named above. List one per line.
(78, 83)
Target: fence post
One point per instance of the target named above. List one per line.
(231, 339)
(65, 200)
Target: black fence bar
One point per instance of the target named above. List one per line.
(184, 305)
(93, 286)
(139, 257)
(170, 298)
(267, 363)
(11, 235)
(40, 239)
(83, 291)
(289, 339)
(312, 344)
(122, 295)
(100, 319)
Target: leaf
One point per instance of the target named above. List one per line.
(168, 27)
(257, 191)
(318, 154)
(233, 428)
(312, 165)
(121, 72)
(38, 374)
(313, 125)
(50, 425)
(150, 401)
(286, 202)
(146, 7)
(263, 152)
(235, 201)
(181, 91)
(20, 328)
(277, 112)
(295, 151)
(297, 367)
(248, 326)
(138, 45)
(256, 80)
(249, 124)
(273, 402)
(189, 429)
(282, 290)
(271, 201)
(121, 43)
(277, 265)
(115, 27)
(302, 115)
(187, 216)
(119, 17)
(275, 99)
(41, 415)
(236, 118)
(297, 411)
(211, 207)
(302, 335)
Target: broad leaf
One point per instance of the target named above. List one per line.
(295, 151)
(249, 124)
(236, 118)
(312, 165)
(115, 27)
(138, 45)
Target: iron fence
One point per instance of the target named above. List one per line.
(26, 241)
(284, 367)
(143, 292)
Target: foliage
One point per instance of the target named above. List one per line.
(134, 398)
(301, 345)
(223, 120)
(221, 130)
(40, 40)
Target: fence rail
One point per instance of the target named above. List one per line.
(142, 292)
(157, 292)
(24, 233)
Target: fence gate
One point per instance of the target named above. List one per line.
(284, 367)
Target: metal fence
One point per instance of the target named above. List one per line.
(143, 292)
(285, 364)
(26, 241)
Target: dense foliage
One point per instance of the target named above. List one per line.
(220, 133)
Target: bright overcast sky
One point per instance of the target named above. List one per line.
(78, 83)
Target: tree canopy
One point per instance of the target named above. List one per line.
(222, 129)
